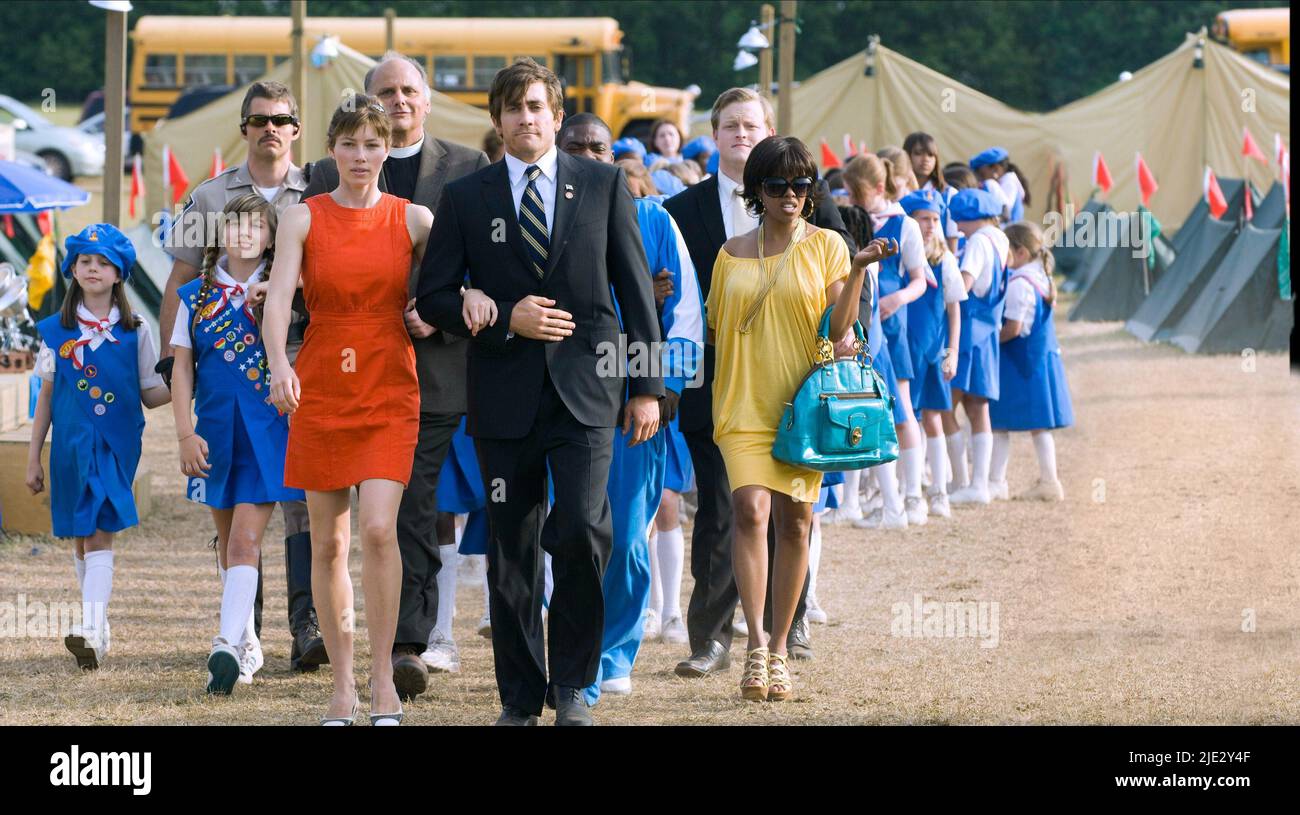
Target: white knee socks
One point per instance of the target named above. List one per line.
(887, 479)
(672, 550)
(1001, 455)
(1045, 448)
(237, 603)
(957, 458)
(913, 459)
(79, 564)
(656, 581)
(97, 589)
(936, 453)
(447, 588)
(981, 446)
(814, 559)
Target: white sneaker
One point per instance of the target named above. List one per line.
(939, 505)
(813, 611)
(618, 686)
(999, 491)
(842, 515)
(674, 631)
(650, 625)
(223, 667)
(250, 661)
(738, 626)
(442, 655)
(1043, 491)
(915, 509)
(970, 495)
(485, 626)
(881, 519)
(87, 646)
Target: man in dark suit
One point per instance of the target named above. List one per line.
(709, 214)
(418, 169)
(545, 236)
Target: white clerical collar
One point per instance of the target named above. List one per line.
(84, 313)
(546, 164)
(407, 151)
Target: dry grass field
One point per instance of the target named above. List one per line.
(1127, 603)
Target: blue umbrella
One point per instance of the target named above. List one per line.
(23, 189)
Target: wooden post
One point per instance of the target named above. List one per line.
(114, 111)
(767, 19)
(298, 74)
(390, 20)
(785, 111)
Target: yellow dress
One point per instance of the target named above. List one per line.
(757, 373)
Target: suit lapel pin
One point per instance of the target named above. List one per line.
(568, 190)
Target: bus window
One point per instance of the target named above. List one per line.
(160, 70)
(485, 70)
(449, 73)
(566, 66)
(278, 58)
(611, 65)
(248, 67)
(205, 69)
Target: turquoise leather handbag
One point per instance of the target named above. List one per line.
(842, 414)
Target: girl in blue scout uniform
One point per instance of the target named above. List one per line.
(984, 270)
(934, 334)
(901, 280)
(636, 474)
(923, 150)
(460, 493)
(234, 456)
(1035, 396)
(999, 176)
(96, 370)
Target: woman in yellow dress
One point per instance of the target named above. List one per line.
(762, 318)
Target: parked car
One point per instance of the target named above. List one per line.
(66, 151)
(131, 143)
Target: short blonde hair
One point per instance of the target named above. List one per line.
(732, 96)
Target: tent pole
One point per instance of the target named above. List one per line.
(785, 113)
(767, 15)
(114, 103)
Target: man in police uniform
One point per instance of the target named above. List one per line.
(269, 122)
(417, 169)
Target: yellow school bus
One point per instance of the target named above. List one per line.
(1263, 34)
(461, 56)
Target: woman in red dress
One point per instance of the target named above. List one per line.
(354, 398)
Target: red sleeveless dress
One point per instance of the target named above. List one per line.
(358, 415)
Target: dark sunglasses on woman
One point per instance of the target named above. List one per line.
(776, 187)
(279, 120)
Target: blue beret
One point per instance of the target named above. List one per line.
(667, 183)
(974, 204)
(627, 145)
(990, 156)
(100, 239)
(712, 168)
(698, 145)
(927, 200)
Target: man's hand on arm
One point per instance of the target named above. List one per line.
(536, 318)
(416, 327)
(641, 419)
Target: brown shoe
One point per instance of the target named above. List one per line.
(410, 676)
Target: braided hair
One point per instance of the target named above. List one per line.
(248, 203)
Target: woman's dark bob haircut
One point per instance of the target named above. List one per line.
(779, 157)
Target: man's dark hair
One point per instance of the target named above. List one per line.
(510, 84)
(580, 119)
(779, 157)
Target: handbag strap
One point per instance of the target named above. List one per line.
(748, 320)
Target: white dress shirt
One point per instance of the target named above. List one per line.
(736, 220)
(545, 183)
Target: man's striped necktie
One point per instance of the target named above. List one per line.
(532, 220)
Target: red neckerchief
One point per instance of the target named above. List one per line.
(225, 297)
(100, 327)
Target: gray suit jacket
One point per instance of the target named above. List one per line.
(440, 359)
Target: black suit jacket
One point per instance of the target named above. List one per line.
(698, 214)
(595, 243)
(439, 359)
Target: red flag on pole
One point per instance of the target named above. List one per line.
(1147, 185)
(137, 182)
(1249, 148)
(1214, 195)
(849, 150)
(1101, 173)
(174, 175)
(1279, 149)
(43, 222)
(829, 159)
(218, 166)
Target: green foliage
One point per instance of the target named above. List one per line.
(1031, 54)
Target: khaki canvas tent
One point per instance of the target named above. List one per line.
(193, 137)
(1179, 117)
